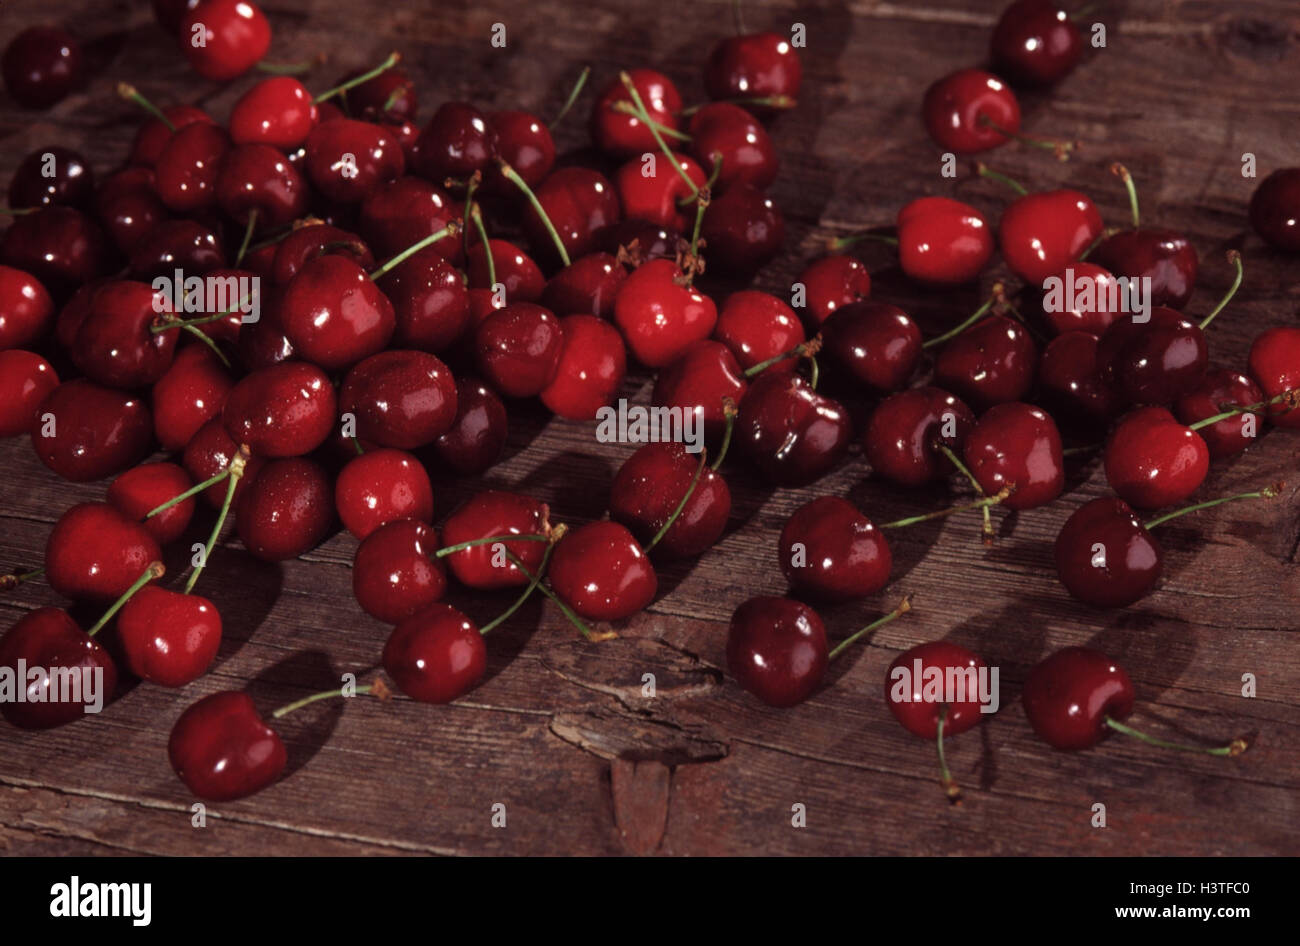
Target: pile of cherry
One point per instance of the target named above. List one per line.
(369, 239)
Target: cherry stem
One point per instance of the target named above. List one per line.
(978, 504)
(393, 59)
(979, 490)
(471, 186)
(129, 92)
(378, 688)
(1268, 492)
(1084, 11)
(702, 199)
(1061, 148)
(203, 337)
(573, 97)
(729, 412)
(167, 324)
(950, 786)
(1236, 747)
(974, 317)
(627, 108)
(155, 570)
(532, 586)
(356, 445)
(289, 68)
(1291, 397)
(686, 497)
(1106, 233)
(903, 607)
(487, 245)
(769, 101)
(643, 114)
(393, 98)
(512, 175)
(17, 211)
(181, 497)
(983, 170)
(450, 230)
(461, 546)
(248, 237)
(235, 471)
(1235, 259)
(13, 581)
(567, 611)
(844, 242)
(804, 349)
(1122, 173)
(278, 236)
(737, 9)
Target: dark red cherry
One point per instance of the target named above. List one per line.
(278, 111)
(601, 572)
(1071, 383)
(904, 431)
(652, 193)
(83, 431)
(1221, 390)
(757, 326)
(188, 395)
(1069, 696)
(1163, 256)
(970, 111)
(776, 649)
(1105, 556)
(395, 574)
(1035, 43)
(26, 309)
(699, 381)
(1153, 359)
(622, 135)
(790, 432)
(1083, 297)
(660, 315)
(115, 345)
(912, 680)
(154, 135)
(590, 370)
(185, 174)
(588, 286)
(456, 143)
(390, 96)
(523, 141)
(286, 510)
(257, 178)
(348, 160)
(168, 638)
(579, 202)
(730, 134)
(742, 230)
(753, 65)
(222, 749)
(400, 398)
(26, 379)
(306, 243)
(436, 655)
(235, 36)
(494, 513)
(286, 410)
(144, 488)
(829, 551)
(334, 315)
(1152, 460)
(263, 343)
(429, 300)
(128, 207)
(650, 485)
(1275, 209)
(831, 282)
(50, 639)
(50, 176)
(379, 487)
(96, 552)
(60, 246)
(1275, 366)
(400, 213)
(942, 241)
(1017, 445)
(170, 13)
(514, 269)
(475, 439)
(992, 362)
(42, 64)
(518, 349)
(877, 343)
(1041, 233)
(177, 244)
(208, 453)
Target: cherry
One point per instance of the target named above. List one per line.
(905, 431)
(1152, 460)
(400, 213)
(518, 349)
(1089, 299)
(235, 36)
(144, 488)
(50, 176)
(379, 487)
(128, 207)
(42, 64)
(430, 301)
(753, 65)
(831, 282)
(263, 343)
(495, 513)
(790, 432)
(590, 369)
(168, 638)
(185, 174)
(743, 229)
(395, 574)
(1275, 366)
(286, 510)
(115, 345)
(757, 327)
(700, 381)
(222, 749)
(50, 639)
(578, 202)
(992, 362)
(523, 141)
(85, 432)
(60, 246)
(510, 266)
(278, 111)
(334, 315)
(348, 160)
(877, 343)
(602, 573)
(26, 379)
(177, 244)
(1163, 256)
(1040, 234)
(587, 286)
(656, 198)
(456, 142)
(622, 134)
(829, 551)
(728, 134)
(649, 487)
(1275, 209)
(1035, 43)
(476, 437)
(942, 241)
(1153, 360)
(660, 314)
(285, 410)
(969, 111)
(26, 309)
(1220, 390)
(211, 451)
(1017, 445)
(436, 655)
(257, 179)
(400, 398)
(312, 240)
(154, 135)
(95, 551)
(389, 96)
(191, 392)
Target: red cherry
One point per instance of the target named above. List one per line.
(831, 282)
(523, 141)
(42, 64)
(875, 342)
(191, 392)
(286, 410)
(727, 133)
(263, 343)
(942, 241)
(514, 269)
(436, 655)
(699, 381)
(394, 573)
(1105, 556)
(655, 198)
(234, 33)
(94, 551)
(776, 649)
(1071, 383)
(970, 111)
(791, 433)
(601, 572)
(743, 229)
(1083, 303)
(144, 488)
(492, 513)
(622, 135)
(400, 213)
(1035, 43)
(286, 510)
(829, 551)
(1275, 366)
(1071, 694)
(1155, 360)
(757, 326)
(380, 487)
(278, 111)
(256, 178)
(1275, 209)
(1152, 460)
(208, 453)
(429, 300)
(50, 176)
(914, 706)
(518, 349)
(475, 439)
(992, 362)
(1222, 390)
(334, 315)
(904, 431)
(1040, 234)
(185, 174)
(659, 316)
(60, 246)
(590, 369)
(390, 95)
(168, 638)
(1017, 445)
(579, 202)
(26, 309)
(153, 135)
(115, 345)
(177, 244)
(26, 379)
(402, 399)
(48, 638)
(222, 750)
(650, 485)
(754, 65)
(1163, 256)
(456, 142)
(307, 243)
(85, 432)
(588, 286)
(348, 160)
(128, 207)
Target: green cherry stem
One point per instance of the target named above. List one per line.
(564, 608)
(129, 92)
(970, 320)
(461, 546)
(533, 582)
(487, 245)
(702, 199)
(950, 786)
(686, 497)
(803, 350)
(767, 101)
(738, 11)
(248, 236)
(627, 108)
(379, 689)
(978, 504)
(289, 68)
(179, 498)
(1235, 259)
(13, 581)
(643, 114)
(983, 170)
(839, 244)
(573, 97)
(1291, 398)
(1268, 492)
(1061, 149)
(235, 472)
(450, 230)
(155, 570)
(979, 490)
(393, 59)
(1122, 173)
(512, 175)
(1234, 748)
(729, 412)
(1105, 234)
(903, 607)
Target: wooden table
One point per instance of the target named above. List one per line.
(560, 732)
